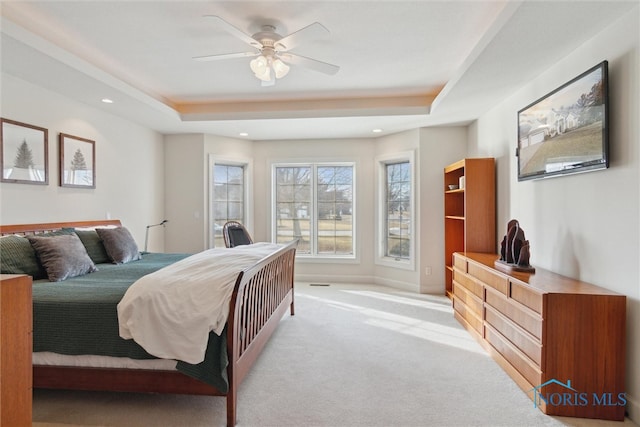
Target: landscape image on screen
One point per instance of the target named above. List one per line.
(564, 130)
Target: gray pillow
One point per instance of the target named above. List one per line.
(119, 244)
(94, 246)
(17, 256)
(62, 256)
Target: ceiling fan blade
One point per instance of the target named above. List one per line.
(234, 31)
(310, 32)
(225, 56)
(313, 64)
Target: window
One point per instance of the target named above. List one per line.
(315, 204)
(396, 219)
(334, 186)
(397, 242)
(227, 198)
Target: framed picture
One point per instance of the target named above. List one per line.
(77, 162)
(24, 153)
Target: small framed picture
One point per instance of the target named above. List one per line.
(77, 162)
(24, 153)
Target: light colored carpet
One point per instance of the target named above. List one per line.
(352, 355)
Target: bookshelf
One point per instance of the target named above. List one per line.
(469, 211)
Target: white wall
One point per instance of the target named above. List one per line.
(583, 226)
(185, 193)
(128, 157)
(187, 178)
(439, 147)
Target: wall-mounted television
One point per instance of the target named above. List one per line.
(566, 131)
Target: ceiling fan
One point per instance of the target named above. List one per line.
(272, 51)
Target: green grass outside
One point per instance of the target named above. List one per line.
(582, 142)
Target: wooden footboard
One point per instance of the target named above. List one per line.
(262, 295)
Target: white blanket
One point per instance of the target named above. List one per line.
(171, 312)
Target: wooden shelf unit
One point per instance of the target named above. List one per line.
(543, 327)
(469, 212)
(16, 329)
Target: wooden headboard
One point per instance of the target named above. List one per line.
(53, 226)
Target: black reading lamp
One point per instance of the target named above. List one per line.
(146, 236)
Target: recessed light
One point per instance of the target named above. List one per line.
(243, 134)
(107, 100)
(376, 130)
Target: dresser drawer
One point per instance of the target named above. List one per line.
(515, 357)
(526, 296)
(468, 315)
(521, 339)
(523, 317)
(469, 299)
(468, 282)
(460, 262)
(489, 278)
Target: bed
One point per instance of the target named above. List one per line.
(261, 296)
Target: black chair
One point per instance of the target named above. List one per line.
(235, 234)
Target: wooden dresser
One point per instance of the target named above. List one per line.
(561, 340)
(16, 328)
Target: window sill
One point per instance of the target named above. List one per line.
(306, 259)
(399, 263)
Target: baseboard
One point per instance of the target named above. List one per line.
(328, 278)
(432, 289)
(633, 409)
(405, 286)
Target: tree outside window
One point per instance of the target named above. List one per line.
(398, 210)
(314, 204)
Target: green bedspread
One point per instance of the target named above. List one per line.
(79, 316)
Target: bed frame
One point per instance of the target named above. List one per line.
(261, 297)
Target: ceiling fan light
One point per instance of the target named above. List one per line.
(259, 65)
(265, 75)
(281, 69)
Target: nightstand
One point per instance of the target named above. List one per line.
(16, 330)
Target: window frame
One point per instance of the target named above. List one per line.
(381, 218)
(314, 255)
(246, 164)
